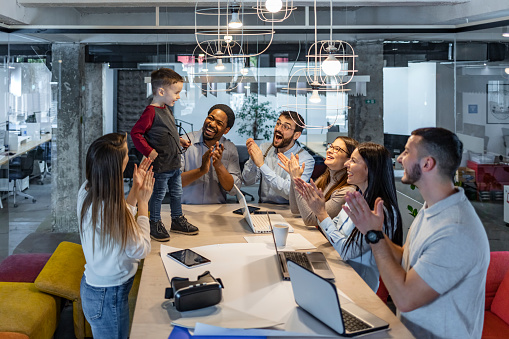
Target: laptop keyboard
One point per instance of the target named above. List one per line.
(261, 223)
(299, 258)
(352, 323)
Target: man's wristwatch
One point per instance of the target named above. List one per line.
(372, 237)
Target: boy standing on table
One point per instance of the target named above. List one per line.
(155, 135)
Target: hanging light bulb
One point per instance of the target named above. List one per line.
(331, 66)
(228, 39)
(219, 65)
(235, 20)
(506, 70)
(315, 98)
(273, 6)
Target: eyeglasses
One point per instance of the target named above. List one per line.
(285, 127)
(182, 150)
(336, 149)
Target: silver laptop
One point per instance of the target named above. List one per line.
(258, 222)
(313, 261)
(319, 297)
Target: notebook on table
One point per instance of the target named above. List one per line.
(319, 297)
(313, 261)
(258, 222)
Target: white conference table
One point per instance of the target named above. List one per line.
(218, 225)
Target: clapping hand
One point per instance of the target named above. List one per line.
(139, 173)
(147, 185)
(313, 196)
(205, 160)
(291, 166)
(217, 155)
(254, 152)
(362, 216)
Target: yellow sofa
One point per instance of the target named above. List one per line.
(33, 309)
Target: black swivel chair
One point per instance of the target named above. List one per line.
(134, 158)
(19, 168)
(243, 157)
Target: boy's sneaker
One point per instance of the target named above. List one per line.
(158, 232)
(181, 225)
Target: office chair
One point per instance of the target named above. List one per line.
(243, 158)
(134, 158)
(19, 168)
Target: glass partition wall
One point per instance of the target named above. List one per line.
(457, 81)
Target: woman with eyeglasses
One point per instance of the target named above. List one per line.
(333, 182)
(370, 170)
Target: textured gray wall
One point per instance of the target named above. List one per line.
(79, 120)
(131, 99)
(365, 121)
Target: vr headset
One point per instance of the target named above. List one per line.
(192, 295)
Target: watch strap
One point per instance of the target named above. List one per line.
(379, 235)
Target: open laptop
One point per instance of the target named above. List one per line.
(319, 297)
(313, 261)
(258, 222)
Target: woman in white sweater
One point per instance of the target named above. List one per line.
(113, 242)
(370, 169)
(333, 182)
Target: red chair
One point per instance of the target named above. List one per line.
(382, 292)
(494, 325)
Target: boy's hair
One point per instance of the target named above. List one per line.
(227, 110)
(296, 117)
(444, 146)
(164, 77)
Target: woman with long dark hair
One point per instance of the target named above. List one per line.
(333, 182)
(370, 169)
(113, 241)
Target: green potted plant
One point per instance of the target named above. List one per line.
(254, 117)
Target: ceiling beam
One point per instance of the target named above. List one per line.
(192, 3)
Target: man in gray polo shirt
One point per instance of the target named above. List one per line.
(437, 280)
(210, 166)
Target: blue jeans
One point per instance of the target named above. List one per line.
(172, 180)
(106, 309)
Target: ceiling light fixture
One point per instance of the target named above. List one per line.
(235, 20)
(331, 65)
(315, 98)
(274, 10)
(505, 35)
(273, 6)
(506, 70)
(228, 39)
(219, 65)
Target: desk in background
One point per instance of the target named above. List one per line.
(25, 147)
(218, 224)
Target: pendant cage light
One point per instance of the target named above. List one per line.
(213, 70)
(230, 42)
(312, 98)
(274, 10)
(330, 66)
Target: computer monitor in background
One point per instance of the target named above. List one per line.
(395, 143)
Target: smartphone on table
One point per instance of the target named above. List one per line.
(188, 258)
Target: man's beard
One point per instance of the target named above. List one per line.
(413, 175)
(284, 142)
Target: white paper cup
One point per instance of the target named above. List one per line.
(281, 234)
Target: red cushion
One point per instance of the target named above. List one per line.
(499, 265)
(382, 292)
(23, 267)
(494, 327)
(500, 304)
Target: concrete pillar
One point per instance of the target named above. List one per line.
(365, 120)
(79, 120)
